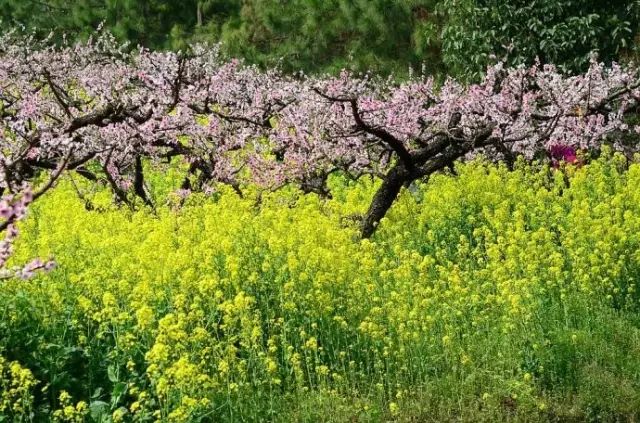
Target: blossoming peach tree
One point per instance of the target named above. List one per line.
(101, 110)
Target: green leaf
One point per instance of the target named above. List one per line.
(111, 373)
(119, 389)
(96, 393)
(98, 409)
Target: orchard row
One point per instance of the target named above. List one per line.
(102, 110)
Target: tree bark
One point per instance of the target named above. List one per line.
(384, 198)
(138, 182)
(199, 14)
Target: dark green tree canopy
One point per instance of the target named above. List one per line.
(152, 23)
(562, 32)
(457, 38)
(328, 35)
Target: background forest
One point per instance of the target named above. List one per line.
(458, 38)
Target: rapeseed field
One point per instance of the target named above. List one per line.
(485, 295)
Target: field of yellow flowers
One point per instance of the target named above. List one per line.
(485, 296)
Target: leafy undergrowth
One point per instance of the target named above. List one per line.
(487, 296)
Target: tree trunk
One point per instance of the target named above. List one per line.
(384, 198)
(138, 183)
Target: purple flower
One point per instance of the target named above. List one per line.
(563, 153)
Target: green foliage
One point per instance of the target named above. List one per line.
(152, 23)
(563, 33)
(74, 18)
(494, 295)
(315, 36)
(384, 36)
(456, 37)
